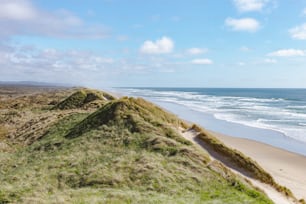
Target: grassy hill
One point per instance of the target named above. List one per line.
(84, 98)
(127, 151)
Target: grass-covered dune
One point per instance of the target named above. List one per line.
(84, 98)
(238, 161)
(127, 151)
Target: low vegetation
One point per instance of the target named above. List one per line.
(84, 98)
(3, 132)
(302, 201)
(127, 151)
(239, 161)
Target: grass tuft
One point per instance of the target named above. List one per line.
(3, 132)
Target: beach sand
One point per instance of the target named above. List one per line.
(287, 168)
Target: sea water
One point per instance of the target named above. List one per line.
(281, 110)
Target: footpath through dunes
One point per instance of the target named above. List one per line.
(127, 151)
(240, 164)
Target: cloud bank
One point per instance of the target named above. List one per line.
(21, 17)
(203, 61)
(288, 53)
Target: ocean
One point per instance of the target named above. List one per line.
(280, 110)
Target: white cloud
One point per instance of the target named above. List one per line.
(241, 64)
(196, 51)
(202, 61)
(53, 65)
(21, 17)
(298, 32)
(243, 24)
(287, 53)
(16, 10)
(160, 46)
(270, 61)
(304, 12)
(30, 63)
(250, 5)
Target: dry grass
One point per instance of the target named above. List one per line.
(302, 201)
(3, 133)
(239, 161)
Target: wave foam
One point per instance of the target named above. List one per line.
(276, 114)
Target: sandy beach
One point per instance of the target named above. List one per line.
(288, 169)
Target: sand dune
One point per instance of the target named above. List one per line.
(288, 169)
(271, 192)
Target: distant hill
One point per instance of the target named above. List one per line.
(34, 83)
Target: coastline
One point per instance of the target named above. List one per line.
(286, 164)
(233, 113)
(286, 167)
(265, 136)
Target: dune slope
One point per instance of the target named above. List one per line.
(128, 150)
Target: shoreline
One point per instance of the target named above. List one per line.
(265, 136)
(210, 122)
(287, 168)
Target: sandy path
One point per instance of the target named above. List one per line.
(274, 195)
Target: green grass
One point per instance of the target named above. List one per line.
(137, 115)
(83, 98)
(125, 152)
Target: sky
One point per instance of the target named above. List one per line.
(160, 43)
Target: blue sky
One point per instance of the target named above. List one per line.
(194, 43)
